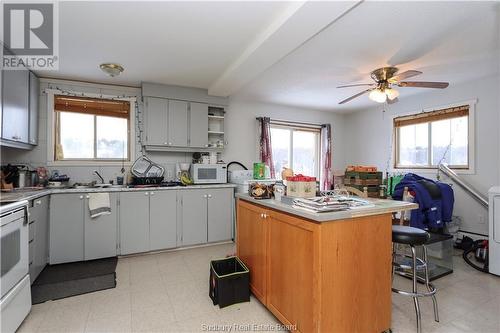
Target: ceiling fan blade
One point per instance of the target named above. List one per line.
(439, 85)
(357, 85)
(403, 75)
(354, 96)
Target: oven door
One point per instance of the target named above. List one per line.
(14, 249)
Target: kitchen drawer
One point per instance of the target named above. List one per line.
(32, 231)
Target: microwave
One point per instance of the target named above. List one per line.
(209, 173)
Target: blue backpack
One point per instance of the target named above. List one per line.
(435, 201)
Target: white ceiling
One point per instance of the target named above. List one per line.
(280, 52)
(448, 41)
(180, 43)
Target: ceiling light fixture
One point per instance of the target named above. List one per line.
(378, 96)
(391, 93)
(111, 69)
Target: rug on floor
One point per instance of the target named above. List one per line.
(76, 278)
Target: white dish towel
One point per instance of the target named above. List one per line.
(99, 204)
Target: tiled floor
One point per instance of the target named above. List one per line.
(168, 292)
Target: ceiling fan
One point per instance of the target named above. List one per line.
(385, 78)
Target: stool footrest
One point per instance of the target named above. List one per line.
(417, 294)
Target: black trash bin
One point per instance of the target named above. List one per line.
(229, 281)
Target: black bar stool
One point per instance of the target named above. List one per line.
(414, 237)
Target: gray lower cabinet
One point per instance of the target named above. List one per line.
(220, 202)
(101, 232)
(39, 236)
(66, 228)
(134, 222)
(162, 220)
(194, 217)
(74, 235)
(206, 215)
(198, 125)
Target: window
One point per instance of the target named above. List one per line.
(427, 139)
(295, 147)
(91, 129)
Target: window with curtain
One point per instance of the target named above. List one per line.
(91, 129)
(427, 139)
(296, 147)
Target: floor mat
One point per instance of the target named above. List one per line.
(76, 278)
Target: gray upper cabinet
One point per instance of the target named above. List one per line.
(33, 109)
(66, 228)
(198, 125)
(177, 123)
(134, 222)
(162, 220)
(101, 231)
(15, 105)
(220, 202)
(156, 120)
(194, 217)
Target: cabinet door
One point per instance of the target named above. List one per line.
(291, 254)
(134, 222)
(33, 109)
(66, 228)
(15, 110)
(100, 232)
(41, 212)
(162, 220)
(194, 217)
(198, 125)
(251, 246)
(156, 120)
(220, 219)
(177, 123)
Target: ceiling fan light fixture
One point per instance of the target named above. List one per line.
(378, 96)
(111, 69)
(391, 93)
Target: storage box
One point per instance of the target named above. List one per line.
(229, 282)
(300, 186)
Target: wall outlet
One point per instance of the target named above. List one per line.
(481, 219)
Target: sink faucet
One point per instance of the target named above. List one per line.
(99, 175)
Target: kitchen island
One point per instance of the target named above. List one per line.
(320, 272)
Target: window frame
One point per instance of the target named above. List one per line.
(51, 133)
(469, 169)
(294, 126)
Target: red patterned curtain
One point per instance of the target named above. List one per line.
(266, 151)
(326, 157)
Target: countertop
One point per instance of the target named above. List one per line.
(34, 194)
(382, 206)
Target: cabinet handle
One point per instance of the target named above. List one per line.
(152, 193)
(261, 215)
(170, 143)
(38, 202)
(204, 195)
(209, 195)
(81, 197)
(165, 143)
(206, 146)
(145, 193)
(87, 196)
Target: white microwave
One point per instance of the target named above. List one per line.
(209, 173)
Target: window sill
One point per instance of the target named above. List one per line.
(431, 170)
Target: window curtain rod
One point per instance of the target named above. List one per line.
(296, 123)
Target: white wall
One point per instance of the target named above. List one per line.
(241, 128)
(369, 135)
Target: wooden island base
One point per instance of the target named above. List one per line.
(318, 276)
